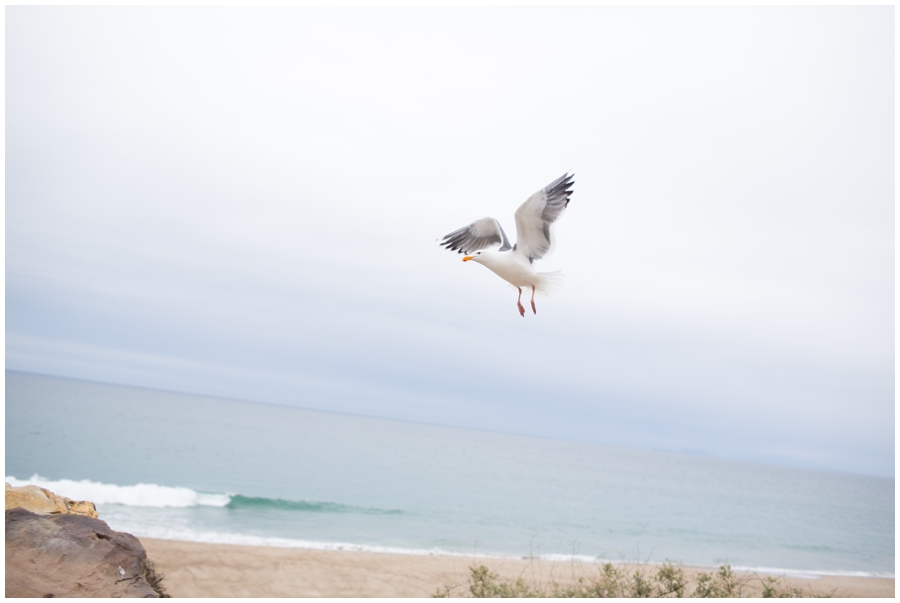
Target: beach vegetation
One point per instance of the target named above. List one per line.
(154, 578)
(723, 583)
(771, 589)
(627, 581)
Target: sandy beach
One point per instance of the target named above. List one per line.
(192, 569)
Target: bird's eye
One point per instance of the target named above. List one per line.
(479, 253)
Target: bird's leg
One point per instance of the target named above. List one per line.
(533, 309)
(519, 303)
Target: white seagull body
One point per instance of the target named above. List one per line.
(533, 240)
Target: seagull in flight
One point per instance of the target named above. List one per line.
(514, 264)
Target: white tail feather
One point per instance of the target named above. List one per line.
(550, 282)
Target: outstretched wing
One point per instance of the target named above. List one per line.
(534, 217)
(477, 235)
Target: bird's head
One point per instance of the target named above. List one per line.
(475, 256)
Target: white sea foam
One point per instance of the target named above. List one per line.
(138, 495)
(773, 571)
(811, 574)
(563, 558)
(183, 534)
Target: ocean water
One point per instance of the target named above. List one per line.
(169, 465)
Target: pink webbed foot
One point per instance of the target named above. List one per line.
(533, 309)
(521, 309)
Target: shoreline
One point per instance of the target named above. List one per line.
(339, 547)
(198, 569)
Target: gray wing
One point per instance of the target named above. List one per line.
(477, 235)
(534, 217)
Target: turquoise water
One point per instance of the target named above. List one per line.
(220, 470)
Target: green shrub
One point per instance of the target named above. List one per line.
(719, 585)
(668, 580)
(773, 590)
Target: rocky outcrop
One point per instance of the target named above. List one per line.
(64, 553)
(44, 502)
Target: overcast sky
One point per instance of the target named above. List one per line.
(245, 203)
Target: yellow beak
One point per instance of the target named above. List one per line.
(467, 258)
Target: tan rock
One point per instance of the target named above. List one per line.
(67, 555)
(44, 502)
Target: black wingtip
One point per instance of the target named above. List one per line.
(560, 187)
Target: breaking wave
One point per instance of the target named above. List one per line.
(138, 495)
(154, 495)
